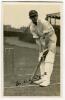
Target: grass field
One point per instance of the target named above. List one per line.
(25, 60)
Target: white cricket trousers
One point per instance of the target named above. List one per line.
(47, 65)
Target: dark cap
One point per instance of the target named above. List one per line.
(33, 13)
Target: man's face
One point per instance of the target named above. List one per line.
(34, 19)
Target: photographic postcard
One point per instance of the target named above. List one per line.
(31, 36)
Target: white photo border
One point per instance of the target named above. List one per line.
(62, 57)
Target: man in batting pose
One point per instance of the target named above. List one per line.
(45, 37)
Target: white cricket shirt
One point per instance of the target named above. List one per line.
(44, 33)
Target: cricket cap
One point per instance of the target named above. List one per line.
(33, 13)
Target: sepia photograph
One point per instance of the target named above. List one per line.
(31, 48)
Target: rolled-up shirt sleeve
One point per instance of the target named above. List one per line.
(50, 35)
(47, 27)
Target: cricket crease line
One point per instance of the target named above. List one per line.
(55, 84)
(9, 48)
(23, 75)
(27, 75)
(31, 85)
